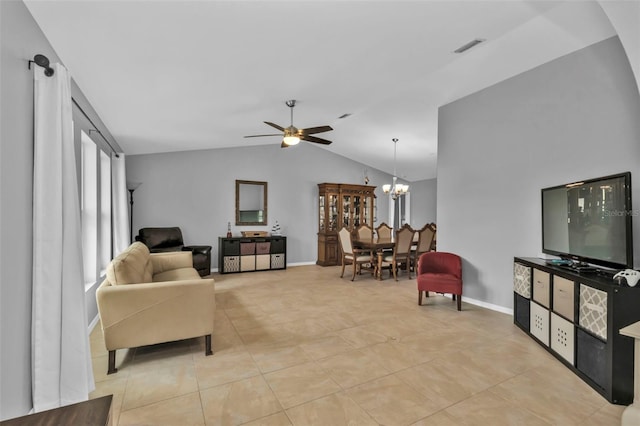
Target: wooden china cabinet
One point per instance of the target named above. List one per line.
(341, 204)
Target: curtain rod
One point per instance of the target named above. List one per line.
(95, 128)
(43, 62)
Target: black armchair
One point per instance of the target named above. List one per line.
(170, 239)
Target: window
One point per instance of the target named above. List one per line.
(105, 212)
(96, 209)
(89, 205)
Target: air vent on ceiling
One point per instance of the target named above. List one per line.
(469, 45)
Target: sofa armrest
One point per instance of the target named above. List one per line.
(198, 249)
(168, 261)
(134, 315)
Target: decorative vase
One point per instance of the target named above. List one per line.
(229, 235)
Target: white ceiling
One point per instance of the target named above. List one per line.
(185, 75)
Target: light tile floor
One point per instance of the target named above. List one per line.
(304, 347)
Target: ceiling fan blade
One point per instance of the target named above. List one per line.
(312, 130)
(275, 125)
(315, 140)
(284, 145)
(259, 136)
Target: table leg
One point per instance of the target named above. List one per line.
(379, 266)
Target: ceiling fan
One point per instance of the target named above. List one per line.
(292, 135)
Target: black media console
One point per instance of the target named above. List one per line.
(577, 315)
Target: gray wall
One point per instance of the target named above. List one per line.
(573, 118)
(423, 202)
(21, 39)
(196, 191)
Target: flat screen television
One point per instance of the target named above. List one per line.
(590, 221)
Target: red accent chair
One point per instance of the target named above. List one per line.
(440, 272)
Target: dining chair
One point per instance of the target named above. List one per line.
(352, 255)
(425, 241)
(401, 251)
(435, 230)
(365, 232)
(384, 231)
(440, 272)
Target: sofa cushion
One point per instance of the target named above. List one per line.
(177, 275)
(132, 266)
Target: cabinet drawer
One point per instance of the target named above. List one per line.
(247, 263)
(591, 357)
(231, 264)
(563, 297)
(521, 313)
(522, 280)
(277, 245)
(539, 323)
(277, 261)
(247, 248)
(231, 247)
(562, 337)
(541, 287)
(593, 311)
(263, 261)
(263, 247)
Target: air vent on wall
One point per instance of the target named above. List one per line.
(469, 45)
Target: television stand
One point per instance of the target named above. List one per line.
(576, 317)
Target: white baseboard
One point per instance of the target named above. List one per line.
(93, 323)
(486, 305)
(300, 264)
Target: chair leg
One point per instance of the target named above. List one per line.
(420, 297)
(112, 363)
(342, 273)
(459, 302)
(355, 265)
(395, 271)
(207, 345)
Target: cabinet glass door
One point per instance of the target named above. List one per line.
(366, 211)
(322, 212)
(346, 211)
(356, 211)
(333, 212)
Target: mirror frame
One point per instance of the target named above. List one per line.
(264, 190)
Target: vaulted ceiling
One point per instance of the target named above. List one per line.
(187, 75)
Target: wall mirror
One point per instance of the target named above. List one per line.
(251, 202)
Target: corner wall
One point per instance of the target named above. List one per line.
(570, 119)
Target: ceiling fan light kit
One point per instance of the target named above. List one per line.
(292, 135)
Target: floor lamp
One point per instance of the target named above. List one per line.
(131, 186)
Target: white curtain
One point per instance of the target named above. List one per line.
(120, 207)
(61, 358)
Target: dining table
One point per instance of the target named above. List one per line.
(377, 245)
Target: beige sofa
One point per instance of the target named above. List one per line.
(154, 298)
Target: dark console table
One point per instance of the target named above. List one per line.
(94, 412)
(577, 317)
(244, 254)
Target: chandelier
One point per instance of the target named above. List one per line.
(396, 189)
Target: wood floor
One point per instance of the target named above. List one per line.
(304, 347)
